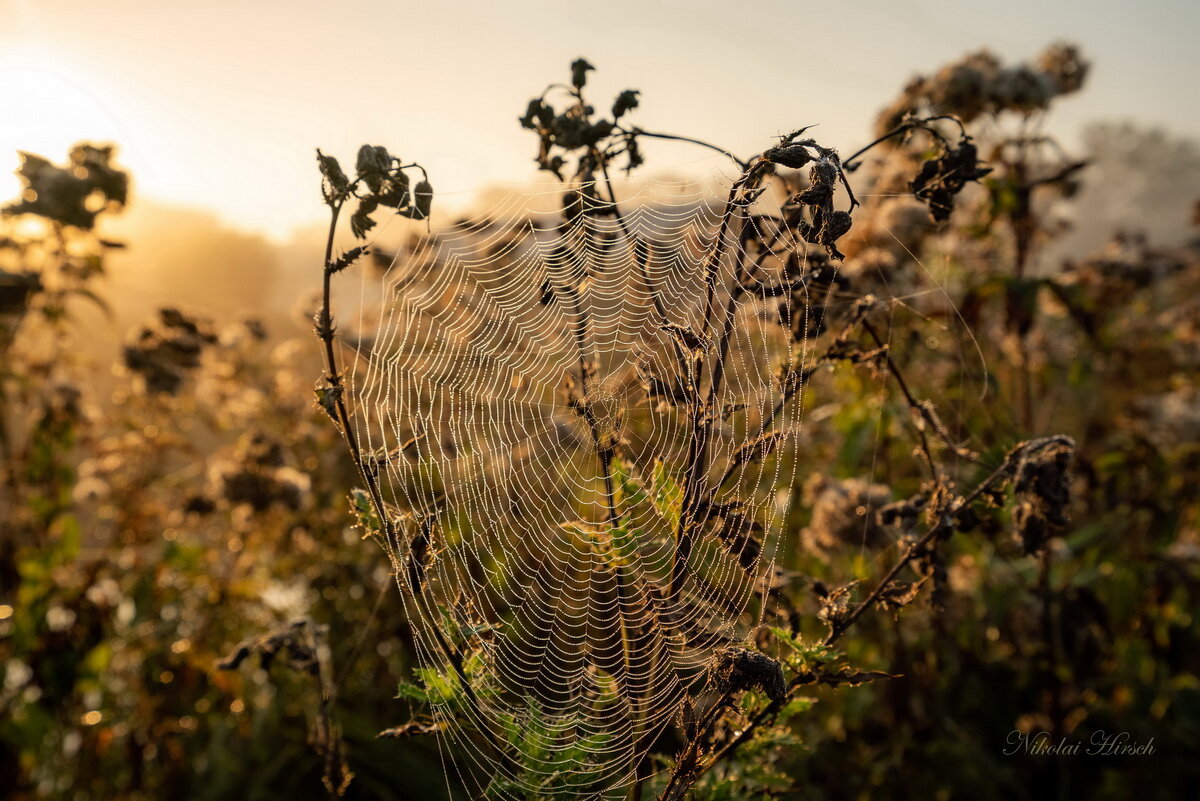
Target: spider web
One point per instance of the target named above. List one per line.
(495, 360)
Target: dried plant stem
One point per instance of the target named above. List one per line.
(696, 469)
(625, 582)
(713, 262)
(335, 386)
(790, 391)
(943, 526)
(604, 451)
(731, 308)
(916, 407)
(6, 450)
(627, 585)
(333, 377)
(912, 125)
(676, 138)
(910, 552)
(687, 765)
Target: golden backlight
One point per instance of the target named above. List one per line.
(55, 111)
(221, 104)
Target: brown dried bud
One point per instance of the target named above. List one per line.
(837, 225)
(794, 156)
(1042, 484)
(736, 669)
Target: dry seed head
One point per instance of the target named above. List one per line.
(735, 669)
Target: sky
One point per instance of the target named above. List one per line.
(220, 105)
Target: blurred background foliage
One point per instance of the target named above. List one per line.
(193, 496)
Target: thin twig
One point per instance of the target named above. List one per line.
(912, 125)
(676, 138)
(697, 467)
(894, 370)
(336, 389)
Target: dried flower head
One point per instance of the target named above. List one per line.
(980, 84)
(257, 475)
(843, 513)
(74, 194)
(735, 669)
(1042, 485)
(164, 352)
(941, 179)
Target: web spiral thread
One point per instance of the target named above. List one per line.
(525, 404)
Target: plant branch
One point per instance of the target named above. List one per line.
(336, 390)
(697, 467)
(687, 765)
(912, 551)
(924, 124)
(676, 138)
(917, 408)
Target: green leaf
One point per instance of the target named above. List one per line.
(412, 692)
(440, 688)
(624, 542)
(667, 495)
(629, 489)
(807, 654)
(364, 512)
